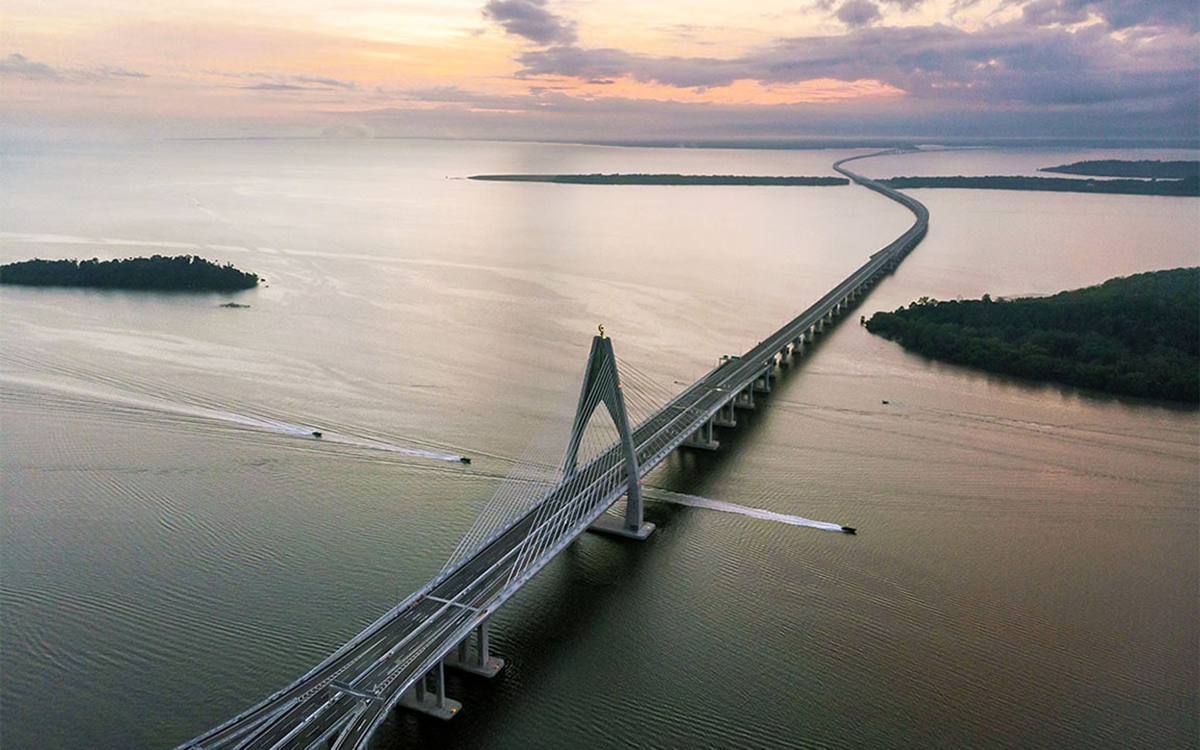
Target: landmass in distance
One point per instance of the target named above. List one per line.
(1176, 178)
(184, 273)
(1163, 170)
(661, 179)
(1136, 336)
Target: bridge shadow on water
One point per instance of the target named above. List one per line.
(577, 597)
(536, 632)
(695, 471)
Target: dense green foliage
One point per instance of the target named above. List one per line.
(158, 272)
(1169, 170)
(1138, 335)
(1189, 186)
(661, 179)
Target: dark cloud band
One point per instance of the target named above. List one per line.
(531, 20)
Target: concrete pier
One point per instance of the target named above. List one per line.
(703, 438)
(428, 696)
(726, 417)
(619, 527)
(762, 384)
(473, 657)
(744, 399)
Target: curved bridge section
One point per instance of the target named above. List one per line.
(401, 657)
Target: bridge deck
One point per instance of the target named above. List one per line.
(344, 698)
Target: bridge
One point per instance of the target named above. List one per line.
(400, 659)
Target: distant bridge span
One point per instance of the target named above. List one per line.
(400, 658)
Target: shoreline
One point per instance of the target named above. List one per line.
(663, 179)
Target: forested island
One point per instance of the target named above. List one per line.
(157, 273)
(1189, 186)
(1136, 336)
(661, 179)
(1162, 170)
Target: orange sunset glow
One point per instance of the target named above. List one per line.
(699, 68)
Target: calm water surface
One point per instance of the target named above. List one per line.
(173, 548)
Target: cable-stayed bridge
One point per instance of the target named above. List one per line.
(550, 499)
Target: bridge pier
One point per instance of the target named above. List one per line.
(630, 526)
(428, 696)
(762, 384)
(477, 660)
(744, 399)
(726, 417)
(703, 438)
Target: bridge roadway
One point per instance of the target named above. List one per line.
(340, 702)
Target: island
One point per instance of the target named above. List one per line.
(1161, 170)
(662, 179)
(1134, 336)
(186, 273)
(1189, 186)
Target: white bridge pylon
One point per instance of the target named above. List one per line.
(602, 384)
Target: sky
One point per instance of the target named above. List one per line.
(610, 70)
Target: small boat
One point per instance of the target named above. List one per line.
(464, 460)
(316, 434)
(885, 401)
(848, 529)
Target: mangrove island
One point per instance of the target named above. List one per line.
(1189, 186)
(1160, 170)
(186, 273)
(1135, 336)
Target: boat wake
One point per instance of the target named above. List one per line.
(285, 428)
(181, 406)
(695, 501)
(334, 437)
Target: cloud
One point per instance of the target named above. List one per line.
(321, 81)
(824, 6)
(111, 72)
(1051, 12)
(610, 63)
(1117, 14)
(275, 87)
(285, 82)
(1006, 64)
(855, 13)
(444, 95)
(19, 66)
(559, 115)
(530, 19)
